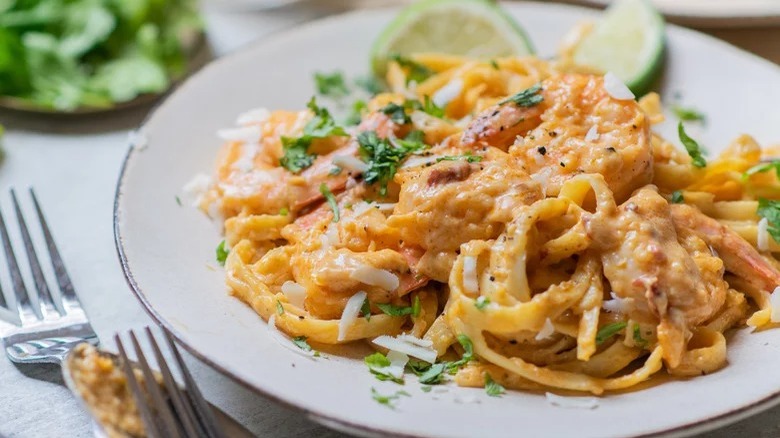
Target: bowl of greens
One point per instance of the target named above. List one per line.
(86, 56)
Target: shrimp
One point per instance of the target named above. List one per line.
(740, 258)
(667, 278)
(552, 137)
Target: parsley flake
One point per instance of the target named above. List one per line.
(494, 64)
(426, 388)
(178, 200)
(763, 167)
(354, 117)
(638, 339)
(693, 148)
(414, 70)
(394, 310)
(481, 302)
(300, 342)
(279, 307)
(383, 158)
(365, 309)
(334, 206)
(688, 114)
(493, 388)
(771, 211)
(284, 211)
(377, 363)
(608, 331)
(296, 150)
(388, 400)
(397, 113)
(677, 197)
(370, 84)
(434, 375)
(526, 98)
(222, 253)
(335, 170)
(331, 84)
(468, 156)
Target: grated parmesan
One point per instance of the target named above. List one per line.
(593, 134)
(196, 188)
(350, 313)
(448, 93)
(617, 305)
(395, 344)
(470, 280)
(763, 235)
(285, 341)
(547, 330)
(350, 163)
(295, 293)
(572, 402)
(774, 303)
(247, 134)
(616, 88)
(375, 277)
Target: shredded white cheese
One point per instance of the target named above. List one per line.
(593, 133)
(423, 121)
(398, 362)
(763, 234)
(774, 302)
(547, 330)
(543, 178)
(394, 344)
(350, 163)
(196, 188)
(418, 161)
(415, 340)
(253, 116)
(375, 277)
(295, 293)
(572, 402)
(387, 206)
(246, 161)
(617, 304)
(350, 313)
(448, 93)
(470, 280)
(333, 235)
(248, 134)
(616, 88)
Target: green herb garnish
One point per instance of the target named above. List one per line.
(370, 84)
(334, 206)
(493, 388)
(415, 71)
(481, 302)
(279, 308)
(393, 310)
(638, 339)
(356, 115)
(397, 113)
(222, 253)
(376, 363)
(284, 211)
(608, 331)
(383, 158)
(688, 114)
(770, 210)
(763, 167)
(365, 309)
(468, 156)
(178, 201)
(296, 150)
(693, 148)
(526, 98)
(331, 84)
(300, 342)
(335, 170)
(677, 197)
(426, 388)
(430, 107)
(434, 375)
(494, 64)
(387, 400)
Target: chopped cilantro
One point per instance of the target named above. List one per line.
(393, 310)
(356, 115)
(693, 148)
(296, 150)
(331, 84)
(370, 84)
(494, 64)
(383, 158)
(178, 200)
(222, 253)
(430, 107)
(434, 375)
(426, 388)
(688, 114)
(418, 367)
(468, 353)
(279, 308)
(481, 302)
(608, 331)
(471, 158)
(376, 363)
(526, 98)
(493, 388)
(397, 113)
(415, 71)
(387, 400)
(334, 206)
(771, 211)
(365, 309)
(284, 211)
(638, 339)
(677, 197)
(335, 170)
(300, 342)
(763, 167)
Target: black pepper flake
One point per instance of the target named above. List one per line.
(553, 134)
(492, 278)
(300, 317)
(501, 128)
(513, 342)
(495, 113)
(562, 165)
(633, 126)
(542, 150)
(611, 149)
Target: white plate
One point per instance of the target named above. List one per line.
(714, 13)
(168, 251)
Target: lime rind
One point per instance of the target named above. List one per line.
(629, 41)
(414, 30)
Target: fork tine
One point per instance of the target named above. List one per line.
(44, 295)
(140, 400)
(180, 402)
(159, 403)
(63, 279)
(199, 403)
(26, 312)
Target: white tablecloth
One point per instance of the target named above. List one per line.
(73, 164)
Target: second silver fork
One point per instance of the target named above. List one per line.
(44, 333)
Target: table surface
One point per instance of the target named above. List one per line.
(87, 153)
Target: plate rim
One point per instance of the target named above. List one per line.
(340, 423)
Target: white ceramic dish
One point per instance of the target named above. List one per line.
(167, 251)
(714, 13)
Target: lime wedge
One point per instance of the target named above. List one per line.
(628, 41)
(474, 28)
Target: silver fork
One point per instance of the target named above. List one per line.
(167, 410)
(44, 333)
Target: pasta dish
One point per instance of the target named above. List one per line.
(512, 222)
